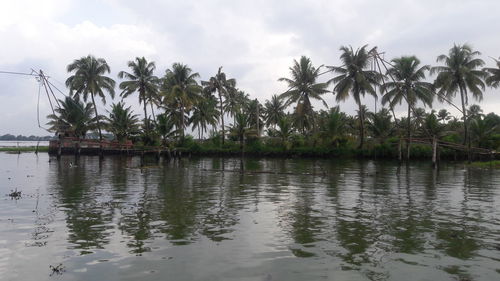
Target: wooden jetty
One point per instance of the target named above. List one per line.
(75, 146)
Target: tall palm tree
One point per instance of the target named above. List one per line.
(354, 78)
(180, 89)
(142, 81)
(205, 113)
(255, 112)
(303, 86)
(88, 80)
(407, 85)
(122, 121)
(274, 110)
(73, 117)
(493, 79)
(221, 85)
(234, 101)
(460, 73)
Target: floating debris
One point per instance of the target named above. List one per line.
(14, 194)
(58, 269)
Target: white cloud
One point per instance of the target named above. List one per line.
(255, 41)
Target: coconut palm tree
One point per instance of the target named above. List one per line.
(255, 113)
(205, 113)
(142, 81)
(443, 115)
(285, 129)
(355, 79)
(234, 101)
(475, 111)
(221, 85)
(73, 118)
(460, 73)
(302, 87)
(407, 85)
(380, 125)
(122, 122)
(274, 110)
(181, 90)
(493, 79)
(166, 128)
(88, 80)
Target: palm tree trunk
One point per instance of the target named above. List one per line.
(464, 112)
(146, 120)
(361, 127)
(97, 118)
(182, 123)
(222, 116)
(153, 112)
(408, 133)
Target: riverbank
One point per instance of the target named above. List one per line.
(24, 149)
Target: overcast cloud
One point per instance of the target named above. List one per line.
(255, 41)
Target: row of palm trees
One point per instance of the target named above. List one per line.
(184, 101)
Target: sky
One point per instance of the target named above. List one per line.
(255, 41)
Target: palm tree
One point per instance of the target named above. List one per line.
(355, 79)
(89, 80)
(335, 124)
(234, 101)
(73, 118)
(475, 111)
(493, 79)
(303, 87)
(443, 115)
(274, 110)
(460, 73)
(380, 125)
(204, 113)
(481, 131)
(242, 128)
(142, 81)
(166, 127)
(222, 86)
(181, 90)
(285, 129)
(255, 112)
(122, 122)
(407, 85)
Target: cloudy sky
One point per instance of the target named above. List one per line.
(255, 41)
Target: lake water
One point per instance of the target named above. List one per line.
(184, 220)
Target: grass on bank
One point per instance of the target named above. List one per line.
(486, 164)
(24, 149)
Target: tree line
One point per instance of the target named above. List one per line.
(185, 100)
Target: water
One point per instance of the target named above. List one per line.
(23, 143)
(352, 220)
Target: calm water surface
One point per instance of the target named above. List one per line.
(183, 220)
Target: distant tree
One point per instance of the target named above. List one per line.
(221, 85)
(205, 114)
(181, 90)
(406, 84)
(493, 78)
(274, 110)
(88, 80)
(73, 117)
(354, 78)
(380, 124)
(303, 86)
(122, 122)
(141, 80)
(460, 73)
